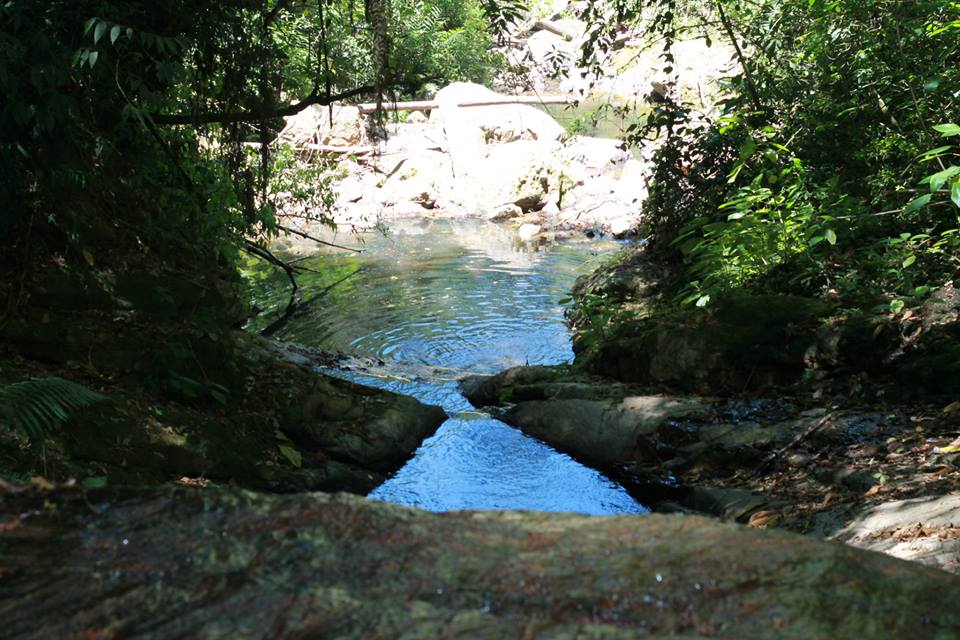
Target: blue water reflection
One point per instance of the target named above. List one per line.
(439, 300)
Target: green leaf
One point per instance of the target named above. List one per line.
(919, 203)
(940, 178)
(115, 33)
(89, 25)
(92, 60)
(933, 153)
(948, 130)
(703, 300)
(831, 236)
(291, 454)
(909, 261)
(98, 32)
(95, 482)
(896, 306)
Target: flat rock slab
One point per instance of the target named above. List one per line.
(228, 564)
(925, 530)
(600, 432)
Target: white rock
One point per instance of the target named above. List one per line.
(632, 186)
(338, 125)
(527, 231)
(602, 154)
(416, 117)
(543, 46)
(620, 226)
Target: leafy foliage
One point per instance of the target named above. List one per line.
(821, 174)
(40, 406)
(502, 14)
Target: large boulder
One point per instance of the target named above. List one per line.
(479, 140)
(741, 342)
(338, 125)
(227, 564)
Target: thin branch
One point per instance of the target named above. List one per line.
(748, 76)
(297, 309)
(265, 254)
(262, 114)
(317, 240)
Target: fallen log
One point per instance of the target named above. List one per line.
(325, 148)
(427, 105)
(543, 25)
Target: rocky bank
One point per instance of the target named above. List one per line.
(227, 564)
(776, 411)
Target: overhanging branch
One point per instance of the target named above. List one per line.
(256, 116)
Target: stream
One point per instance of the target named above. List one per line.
(435, 300)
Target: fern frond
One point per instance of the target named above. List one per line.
(39, 406)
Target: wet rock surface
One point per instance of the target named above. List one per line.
(204, 563)
(874, 480)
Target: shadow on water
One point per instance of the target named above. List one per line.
(443, 299)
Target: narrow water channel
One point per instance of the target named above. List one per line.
(437, 300)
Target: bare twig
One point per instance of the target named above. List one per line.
(317, 240)
(806, 433)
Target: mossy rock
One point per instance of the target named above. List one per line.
(741, 342)
(242, 565)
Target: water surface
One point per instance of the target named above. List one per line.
(437, 300)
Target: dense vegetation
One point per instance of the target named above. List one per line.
(830, 169)
(134, 185)
(130, 133)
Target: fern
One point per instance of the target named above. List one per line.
(39, 406)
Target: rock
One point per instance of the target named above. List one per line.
(501, 123)
(521, 172)
(240, 565)
(923, 530)
(528, 231)
(601, 154)
(730, 504)
(547, 49)
(621, 226)
(487, 391)
(632, 186)
(741, 342)
(765, 519)
(601, 432)
(854, 479)
(506, 212)
(373, 429)
(632, 278)
(314, 125)
(537, 383)
(416, 117)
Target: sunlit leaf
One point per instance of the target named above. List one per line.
(919, 203)
(291, 454)
(949, 129)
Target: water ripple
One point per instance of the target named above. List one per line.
(461, 296)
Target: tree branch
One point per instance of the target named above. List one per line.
(253, 116)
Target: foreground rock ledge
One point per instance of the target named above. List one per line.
(230, 564)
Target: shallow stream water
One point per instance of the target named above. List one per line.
(437, 300)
